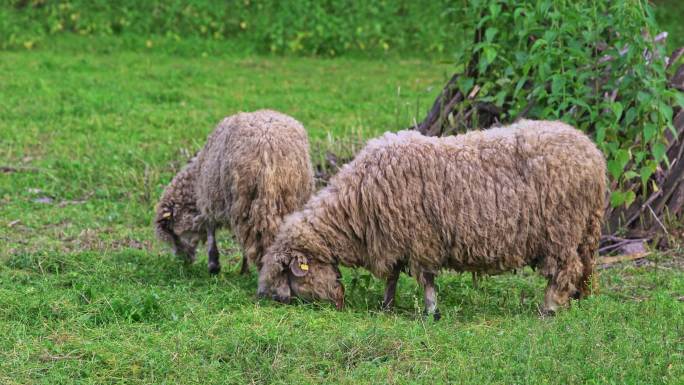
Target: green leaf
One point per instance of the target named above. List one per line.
(489, 53)
(649, 132)
(645, 172)
(679, 98)
(630, 115)
(495, 9)
(630, 174)
(617, 198)
(538, 44)
(500, 98)
(465, 84)
(557, 83)
(614, 168)
(617, 110)
(519, 85)
(666, 111)
(643, 97)
(658, 151)
(600, 133)
(630, 196)
(622, 156)
(639, 156)
(490, 33)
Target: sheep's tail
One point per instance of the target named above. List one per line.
(587, 250)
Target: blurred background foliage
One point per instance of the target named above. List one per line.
(302, 27)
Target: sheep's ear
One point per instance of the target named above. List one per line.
(166, 214)
(274, 263)
(299, 266)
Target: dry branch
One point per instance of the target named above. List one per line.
(621, 258)
(11, 169)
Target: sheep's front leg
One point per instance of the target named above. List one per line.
(428, 281)
(391, 287)
(213, 264)
(245, 266)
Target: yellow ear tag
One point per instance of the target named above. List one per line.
(166, 215)
(304, 266)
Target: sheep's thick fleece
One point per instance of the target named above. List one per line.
(531, 193)
(254, 169)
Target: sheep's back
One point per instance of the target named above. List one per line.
(255, 168)
(488, 201)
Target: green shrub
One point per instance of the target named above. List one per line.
(543, 58)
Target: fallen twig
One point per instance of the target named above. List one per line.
(46, 357)
(621, 258)
(619, 244)
(11, 169)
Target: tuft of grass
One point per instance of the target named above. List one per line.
(88, 296)
(142, 317)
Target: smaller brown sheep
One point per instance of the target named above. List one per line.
(253, 170)
(531, 194)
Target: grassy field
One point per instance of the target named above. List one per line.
(88, 139)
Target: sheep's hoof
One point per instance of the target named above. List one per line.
(436, 316)
(281, 299)
(214, 268)
(546, 312)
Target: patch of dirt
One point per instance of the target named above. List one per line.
(55, 237)
(91, 240)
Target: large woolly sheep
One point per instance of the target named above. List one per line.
(488, 201)
(253, 170)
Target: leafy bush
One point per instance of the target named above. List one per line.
(592, 64)
(311, 27)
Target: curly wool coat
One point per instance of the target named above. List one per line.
(254, 170)
(486, 201)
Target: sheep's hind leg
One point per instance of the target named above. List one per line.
(587, 251)
(428, 282)
(391, 288)
(213, 264)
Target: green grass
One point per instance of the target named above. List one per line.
(669, 14)
(88, 296)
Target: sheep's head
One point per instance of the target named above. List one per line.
(178, 226)
(284, 274)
